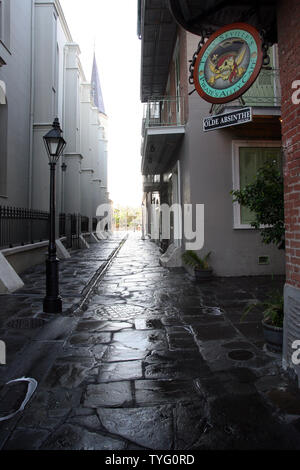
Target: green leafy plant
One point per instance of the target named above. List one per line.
(265, 198)
(273, 309)
(192, 259)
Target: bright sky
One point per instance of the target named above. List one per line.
(112, 26)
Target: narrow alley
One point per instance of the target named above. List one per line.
(155, 361)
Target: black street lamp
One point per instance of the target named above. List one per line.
(55, 145)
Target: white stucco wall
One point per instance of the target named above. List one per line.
(59, 89)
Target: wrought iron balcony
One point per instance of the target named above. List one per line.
(264, 93)
(164, 112)
(151, 183)
(163, 127)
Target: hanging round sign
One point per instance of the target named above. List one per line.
(228, 63)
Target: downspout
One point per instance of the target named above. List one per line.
(31, 104)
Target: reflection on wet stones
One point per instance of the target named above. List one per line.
(142, 340)
(148, 427)
(87, 339)
(94, 326)
(71, 437)
(68, 375)
(164, 391)
(150, 324)
(108, 394)
(116, 371)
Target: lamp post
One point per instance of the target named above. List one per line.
(55, 145)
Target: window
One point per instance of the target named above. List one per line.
(248, 158)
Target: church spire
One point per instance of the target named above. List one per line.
(96, 92)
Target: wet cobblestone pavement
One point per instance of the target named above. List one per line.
(156, 361)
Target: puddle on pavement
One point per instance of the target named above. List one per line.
(148, 324)
(240, 355)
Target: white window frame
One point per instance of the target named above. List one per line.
(236, 145)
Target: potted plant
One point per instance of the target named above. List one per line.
(202, 270)
(273, 312)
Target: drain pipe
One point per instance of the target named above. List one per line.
(31, 105)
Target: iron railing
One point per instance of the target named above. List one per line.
(266, 90)
(164, 112)
(22, 226)
(62, 225)
(95, 223)
(151, 183)
(19, 227)
(84, 224)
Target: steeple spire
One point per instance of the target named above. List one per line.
(97, 98)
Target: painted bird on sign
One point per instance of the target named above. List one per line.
(227, 67)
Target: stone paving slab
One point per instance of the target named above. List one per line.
(157, 361)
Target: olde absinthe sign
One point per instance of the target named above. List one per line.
(232, 118)
(228, 63)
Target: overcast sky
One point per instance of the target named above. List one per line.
(112, 26)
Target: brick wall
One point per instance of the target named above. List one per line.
(289, 61)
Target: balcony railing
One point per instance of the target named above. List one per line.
(151, 182)
(265, 91)
(151, 179)
(165, 112)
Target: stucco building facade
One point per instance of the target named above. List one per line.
(212, 172)
(184, 165)
(41, 78)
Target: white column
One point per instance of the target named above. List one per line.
(45, 101)
(87, 194)
(73, 183)
(73, 157)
